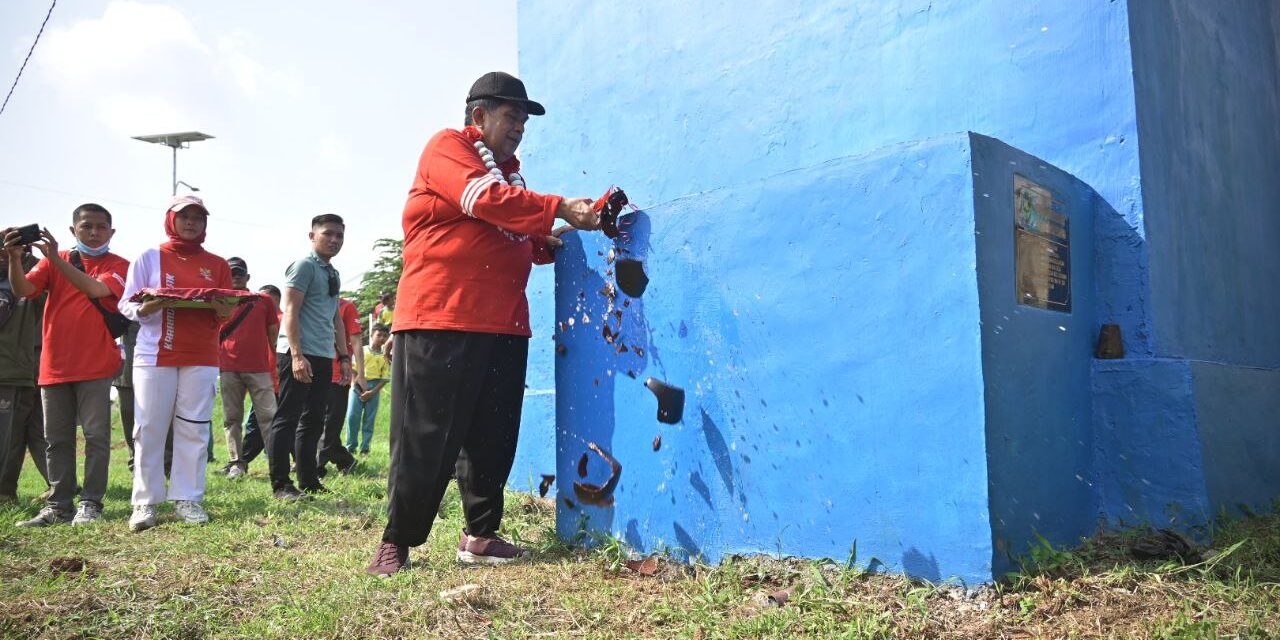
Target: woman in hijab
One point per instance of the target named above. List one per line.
(175, 365)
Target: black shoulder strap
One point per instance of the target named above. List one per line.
(77, 262)
(235, 322)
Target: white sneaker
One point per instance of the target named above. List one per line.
(143, 518)
(235, 472)
(190, 511)
(88, 513)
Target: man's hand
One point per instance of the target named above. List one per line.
(346, 372)
(553, 240)
(301, 369)
(153, 305)
(359, 380)
(578, 212)
(364, 397)
(49, 247)
(11, 236)
(221, 308)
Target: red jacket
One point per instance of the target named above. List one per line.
(469, 243)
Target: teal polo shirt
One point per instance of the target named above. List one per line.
(311, 275)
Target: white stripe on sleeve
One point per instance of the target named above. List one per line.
(474, 188)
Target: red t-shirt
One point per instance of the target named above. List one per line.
(351, 320)
(271, 353)
(469, 242)
(247, 349)
(77, 344)
(176, 337)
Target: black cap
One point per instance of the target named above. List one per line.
(504, 86)
(237, 264)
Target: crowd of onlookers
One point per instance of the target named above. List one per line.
(75, 323)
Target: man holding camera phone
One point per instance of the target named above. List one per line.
(80, 356)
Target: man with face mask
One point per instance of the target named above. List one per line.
(21, 416)
(79, 358)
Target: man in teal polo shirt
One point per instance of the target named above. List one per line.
(312, 332)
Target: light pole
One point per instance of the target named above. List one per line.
(176, 141)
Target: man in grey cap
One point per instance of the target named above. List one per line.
(244, 362)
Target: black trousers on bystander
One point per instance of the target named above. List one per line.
(455, 407)
(298, 423)
(331, 447)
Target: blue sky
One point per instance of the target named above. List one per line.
(320, 106)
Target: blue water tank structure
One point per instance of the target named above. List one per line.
(880, 239)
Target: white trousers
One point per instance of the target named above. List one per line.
(183, 397)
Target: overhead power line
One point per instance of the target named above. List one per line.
(28, 58)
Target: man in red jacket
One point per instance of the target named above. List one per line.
(472, 232)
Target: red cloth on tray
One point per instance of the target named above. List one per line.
(192, 294)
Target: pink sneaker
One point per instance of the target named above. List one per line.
(389, 559)
(489, 550)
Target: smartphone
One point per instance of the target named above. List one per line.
(29, 234)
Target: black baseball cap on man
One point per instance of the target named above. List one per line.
(238, 266)
(504, 86)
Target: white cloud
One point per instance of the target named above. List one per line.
(147, 68)
(334, 153)
(128, 34)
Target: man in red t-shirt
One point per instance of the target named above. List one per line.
(253, 432)
(331, 449)
(472, 232)
(246, 340)
(79, 359)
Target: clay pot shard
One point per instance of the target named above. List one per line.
(599, 495)
(545, 485)
(647, 567)
(670, 400)
(657, 442)
(780, 598)
(631, 277)
(582, 466)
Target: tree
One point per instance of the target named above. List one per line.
(383, 277)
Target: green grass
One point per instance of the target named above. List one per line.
(262, 569)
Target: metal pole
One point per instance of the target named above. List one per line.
(175, 170)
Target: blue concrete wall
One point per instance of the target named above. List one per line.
(669, 98)
(1239, 426)
(825, 326)
(1207, 79)
(1037, 364)
(672, 98)
(1148, 450)
(535, 454)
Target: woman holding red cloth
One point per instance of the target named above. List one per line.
(175, 365)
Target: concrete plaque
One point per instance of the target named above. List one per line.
(1042, 247)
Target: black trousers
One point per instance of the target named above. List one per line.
(331, 449)
(253, 444)
(455, 407)
(298, 423)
